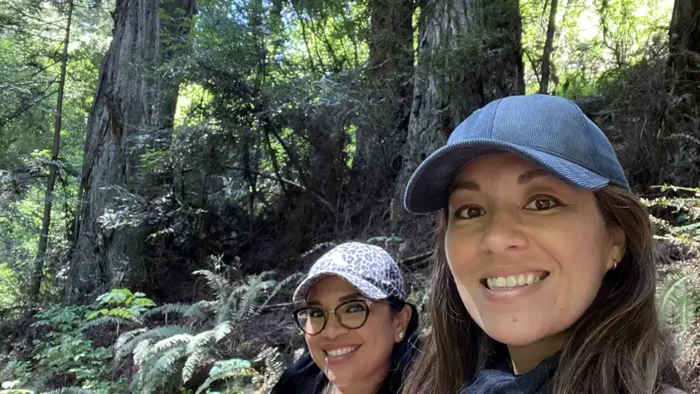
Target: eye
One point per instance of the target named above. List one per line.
(469, 212)
(355, 307)
(542, 203)
(315, 313)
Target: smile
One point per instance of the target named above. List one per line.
(514, 281)
(340, 352)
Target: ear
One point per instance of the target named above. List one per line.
(401, 323)
(618, 247)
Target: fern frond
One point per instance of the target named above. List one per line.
(678, 303)
(198, 350)
(217, 282)
(280, 285)
(274, 363)
(163, 368)
(170, 342)
(142, 352)
(155, 334)
(168, 309)
(123, 339)
(107, 320)
(227, 369)
(222, 330)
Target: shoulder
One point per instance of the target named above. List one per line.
(671, 390)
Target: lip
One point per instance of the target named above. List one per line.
(509, 295)
(505, 272)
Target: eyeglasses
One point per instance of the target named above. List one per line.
(350, 314)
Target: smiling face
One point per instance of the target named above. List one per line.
(358, 357)
(528, 252)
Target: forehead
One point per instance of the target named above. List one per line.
(330, 289)
(498, 164)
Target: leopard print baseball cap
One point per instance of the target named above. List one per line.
(370, 269)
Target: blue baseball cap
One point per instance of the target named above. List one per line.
(550, 132)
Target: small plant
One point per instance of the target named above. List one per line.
(119, 306)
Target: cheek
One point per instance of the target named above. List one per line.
(378, 339)
(313, 342)
(461, 253)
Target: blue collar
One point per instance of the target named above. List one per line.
(500, 379)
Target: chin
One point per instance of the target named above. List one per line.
(513, 335)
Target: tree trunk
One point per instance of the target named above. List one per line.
(132, 109)
(53, 169)
(683, 115)
(382, 134)
(469, 55)
(548, 44)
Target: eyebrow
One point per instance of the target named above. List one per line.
(527, 176)
(340, 300)
(524, 178)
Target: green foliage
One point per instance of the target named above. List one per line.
(679, 299)
(162, 353)
(122, 305)
(62, 353)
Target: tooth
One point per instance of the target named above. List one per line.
(537, 279)
(489, 283)
(500, 282)
(521, 280)
(530, 279)
(511, 281)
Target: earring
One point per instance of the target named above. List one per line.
(614, 263)
(400, 335)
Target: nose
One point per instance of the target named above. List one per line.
(333, 327)
(502, 234)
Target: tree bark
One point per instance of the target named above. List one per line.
(132, 109)
(382, 134)
(548, 45)
(38, 274)
(683, 115)
(469, 55)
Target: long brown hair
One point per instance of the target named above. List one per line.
(616, 347)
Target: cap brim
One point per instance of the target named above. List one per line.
(428, 187)
(367, 289)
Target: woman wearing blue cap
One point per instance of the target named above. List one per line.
(544, 277)
(360, 331)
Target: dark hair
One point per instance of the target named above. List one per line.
(305, 377)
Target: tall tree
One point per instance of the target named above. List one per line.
(548, 46)
(682, 118)
(53, 168)
(389, 71)
(131, 105)
(469, 55)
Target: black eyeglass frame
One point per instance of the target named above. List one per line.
(368, 305)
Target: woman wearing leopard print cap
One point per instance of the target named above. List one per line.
(360, 332)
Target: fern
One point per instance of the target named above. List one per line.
(217, 282)
(228, 369)
(129, 345)
(280, 285)
(162, 352)
(678, 301)
(107, 320)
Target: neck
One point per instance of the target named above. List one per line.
(365, 386)
(526, 358)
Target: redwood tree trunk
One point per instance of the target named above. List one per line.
(381, 136)
(683, 115)
(469, 55)
(132, 109)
